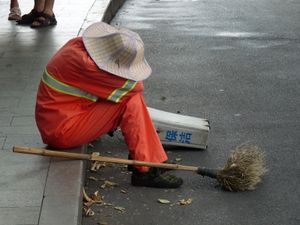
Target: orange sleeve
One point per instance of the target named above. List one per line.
(73, 66)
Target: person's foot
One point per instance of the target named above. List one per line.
(44, 20)
(14, 14)
(155, 177)
(28, 18)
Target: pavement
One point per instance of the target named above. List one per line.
(37, 190)
(235, 63)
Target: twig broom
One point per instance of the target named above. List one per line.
(242, 171)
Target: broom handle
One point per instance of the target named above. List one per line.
(44, 152)
(94, 157)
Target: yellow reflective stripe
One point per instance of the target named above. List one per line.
(59, 86)
(118, 93)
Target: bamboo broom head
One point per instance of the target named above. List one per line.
(243, 170)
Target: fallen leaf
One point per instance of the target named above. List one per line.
(102, 223)
(88, 211)
(107, 204)
(96, 197)
(109, 184)
(163, 201)
(185, 201)
(96, 166)
(119, 208)
(85, 196)
(89, 204)
(92, 178)
(123, 191)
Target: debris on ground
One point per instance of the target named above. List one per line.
(109, 184)
(119, 208)
(163, 201)
(123, 191)
(102, 223)
(187, 201)
(96, 165)
(95, 198)
(88, 211)
(93, 178)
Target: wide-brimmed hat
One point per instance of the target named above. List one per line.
(117, 51)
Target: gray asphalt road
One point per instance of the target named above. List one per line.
(236, 63)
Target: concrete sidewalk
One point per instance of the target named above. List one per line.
(37, 190)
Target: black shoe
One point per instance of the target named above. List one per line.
(155, 178)
(27, 19)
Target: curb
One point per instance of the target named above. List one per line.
(62, 200)
(112, 9)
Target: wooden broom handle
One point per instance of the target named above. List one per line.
(94, 157)
(44, 152)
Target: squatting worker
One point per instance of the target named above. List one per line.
(93, 85)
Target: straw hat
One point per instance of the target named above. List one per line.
(117, 51)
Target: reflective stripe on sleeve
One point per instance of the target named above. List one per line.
(59, 86)
(118, 93)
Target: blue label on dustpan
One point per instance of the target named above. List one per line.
(175, 136)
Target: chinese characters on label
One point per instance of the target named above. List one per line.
(183, 137)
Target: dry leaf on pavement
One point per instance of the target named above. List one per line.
(96, 166)
(123, 191)
(88, 211)
(119, 208)
(163, 201)
(93, 178)
(109, 184)
(185, 201)
(96, 197)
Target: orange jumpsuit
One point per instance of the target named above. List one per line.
(66, 121)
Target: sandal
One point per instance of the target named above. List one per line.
(44, 20)
(27, 19)
(14, 14)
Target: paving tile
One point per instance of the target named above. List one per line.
(2, 140)
(22, 179)
(11, 87)
(15, 65)
(61, 210)
(22, 136)
(19, 216)
(22, 120)
(5, 120)
(7, 103)
(21, 198)
(62, 177)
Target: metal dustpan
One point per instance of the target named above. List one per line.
(180, 130)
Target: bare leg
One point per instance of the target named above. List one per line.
(48, 7)
(14, 12)
(14, 3)
(39, 5)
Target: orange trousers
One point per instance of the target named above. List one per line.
(130, 115)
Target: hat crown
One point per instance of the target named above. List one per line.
(118, 51)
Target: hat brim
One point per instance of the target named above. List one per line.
(102, 41)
